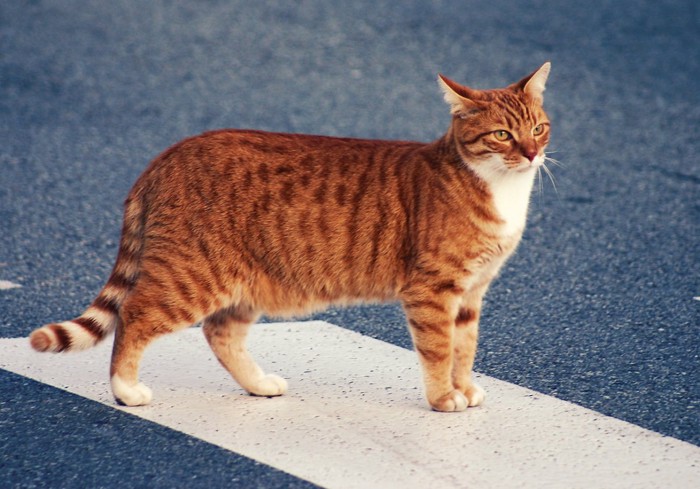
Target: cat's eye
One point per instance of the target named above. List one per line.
(538, 129)
(502, 135)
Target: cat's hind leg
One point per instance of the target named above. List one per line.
(226, 332)
(130, 341)
(151, 310)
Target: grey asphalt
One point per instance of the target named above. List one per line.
(598, 306)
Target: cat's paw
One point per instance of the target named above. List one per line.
(475, 395)
(130, 395)
(450, 403)
(269, 386)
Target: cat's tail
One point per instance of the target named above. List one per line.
(102, 317)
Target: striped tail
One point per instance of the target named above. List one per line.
(102, 317)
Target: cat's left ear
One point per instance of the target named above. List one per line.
(534, 84)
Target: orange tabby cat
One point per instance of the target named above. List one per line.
(231, 224)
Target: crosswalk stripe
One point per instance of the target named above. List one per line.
(7, 285)
(355, 416)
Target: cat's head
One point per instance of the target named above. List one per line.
(500, 131)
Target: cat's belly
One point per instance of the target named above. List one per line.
(287, 298)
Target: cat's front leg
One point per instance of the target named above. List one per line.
(465, 343)
(431, 320)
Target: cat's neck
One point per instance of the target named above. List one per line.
(510, 192)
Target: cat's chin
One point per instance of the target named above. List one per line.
(529, 166)
(495, 167)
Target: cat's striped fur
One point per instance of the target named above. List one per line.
(232, 224)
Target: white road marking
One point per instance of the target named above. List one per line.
(355, 417)
(6, 285)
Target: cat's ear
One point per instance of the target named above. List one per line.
(534, 84)
(463, 101)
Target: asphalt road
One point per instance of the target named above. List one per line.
(599, 306)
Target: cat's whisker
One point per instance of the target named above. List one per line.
(553, 161)
(540, 181)
(551, 177)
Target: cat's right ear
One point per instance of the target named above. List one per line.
(462, 100)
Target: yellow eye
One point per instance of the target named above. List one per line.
(539, 129)
(502, 135)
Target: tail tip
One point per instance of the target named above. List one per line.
(40, 340)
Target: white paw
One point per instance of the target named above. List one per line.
(130, 395)
(476, 395)
(269, 386)
(451, 403)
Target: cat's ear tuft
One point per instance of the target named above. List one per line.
(534, 85)
(462, 100)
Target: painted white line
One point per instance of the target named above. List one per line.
(354, 417)
(6, 285)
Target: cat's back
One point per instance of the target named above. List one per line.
(323, 215)
(250, 159)
(231, 148)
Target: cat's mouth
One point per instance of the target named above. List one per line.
(527, 165)
(526, 168)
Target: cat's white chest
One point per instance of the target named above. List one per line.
(511, 198)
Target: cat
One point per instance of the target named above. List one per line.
(232, 224)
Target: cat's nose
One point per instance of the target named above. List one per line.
(530, 154)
